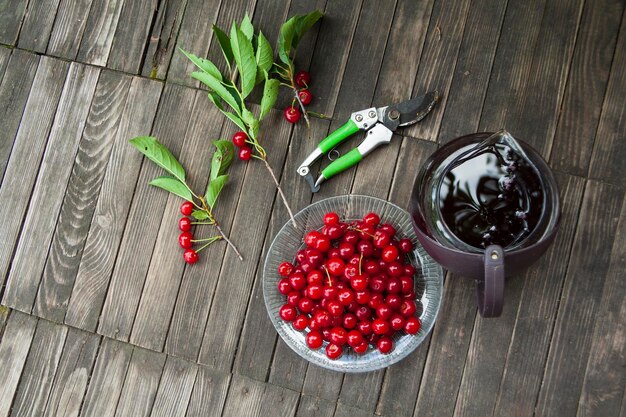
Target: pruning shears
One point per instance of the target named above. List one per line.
(378, 122)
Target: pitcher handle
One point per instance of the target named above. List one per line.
(490, 291)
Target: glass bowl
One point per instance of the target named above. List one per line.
(428, 281)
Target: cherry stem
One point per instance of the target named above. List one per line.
(213, 239)
(330, 282)
(356, 229)
(319, 115)
(280, 191)
(304, 112)
(231, 244)
(360, 260)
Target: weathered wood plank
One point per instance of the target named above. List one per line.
(443, 41)
(604, 382)
(344, 410)
(322, 383)
(106, 381)
(14, 91)
(4, 316)
(5, 54)
(472, 70)
(198, 283)
(231, 296)
(81, 196)
(26, 154)
(536, 310)
(14, 348)
(586, 86)
(579, 308)
(278, 401)
(244, 397)
(37, 25)
(336, 34)
(11, 18)
(69, 26)
(209, 393)
(165, 271)
(175, 388)
(315, 407)
(141, 228)
(53, 175)
(131, 35)
(141, 383)
(361, 390)
(111, 212)
(40, 369)
(162, 41)
(95, 45)
(194, 35)
(448, 348)
(72, 375)
(609, 153)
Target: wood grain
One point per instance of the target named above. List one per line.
(143, 221)
(111, 212)
(231, 296)
(314, 407)
(81, 196)
(141, 383)
(105, 384)
(72, 375)
(14, 348)
(68, 29)
(344, 410)
(129, 41)
(604, 382)
(26, 154)
(536, 305)
(162, 40)
(41, 366)
(14, 91)
(5, 54)
(582, 292)
(37, 25)
(209, 393)
(175, 388)
(164, 274)
(278, 401)
(54, 173)
(11, 18)
(95, 44)
(609, 152)
(248, 397)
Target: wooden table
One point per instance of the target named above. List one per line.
(100, 316)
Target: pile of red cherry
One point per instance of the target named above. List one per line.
(303, 80)
(352, 285)
(185, 239)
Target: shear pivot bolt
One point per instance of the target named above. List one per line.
(372, 114)
(394, 114)
(358, 118)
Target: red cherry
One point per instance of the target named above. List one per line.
(389, 229)
(412, 325)
(380, 326)
(408, 308)
(297, 281)
(292, 114)
(322, 318)
(334, 253)
(334, 231)
(394, 286)
(314, 339)
(335, 266)
(367, 232)
(406, 283)
(285, 269)
(405, 245)
(311, 238)
(371, 219)
(330, 293)
(293, 298)
(361, 348)
(184, 224)
(303, 78)
(409, 270)
(288, 312)
(349, 321)
(245, 153)
(186, 208)
(390, 253)
(365, 247)
(314, 292)
(284, 287)
(346, 250)
(331, 218)
(377, 284)
(301, 322)
(363, 313)
(365, 327)
(395, 269)
(333, 351)
(359, 283)
(397, 322)
(315, 277)
(306, 305)
(354, 338)
(384, 312)
(305, 96)
(394, 301)
(384, 344)
(190, 256)
(381, 239)
(335, 308)
(345, 296)
(322, 243)
(239, 139)
(338, 335)
(351, 237)
(371, 267)
(184, 240)
(362, 297)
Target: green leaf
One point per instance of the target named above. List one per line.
(236, 120)
(160, 155)
(204, 64)
(216, 99)
(244, 56)
(285, 38)
(254, 128)
(215, 187)
(247, 117)
(172, 185)
(222, 157)
(215, 85)
(270, 94)
(303, 24)
(246, 27)
(264, 57)
(224, 42)
(199, 215)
